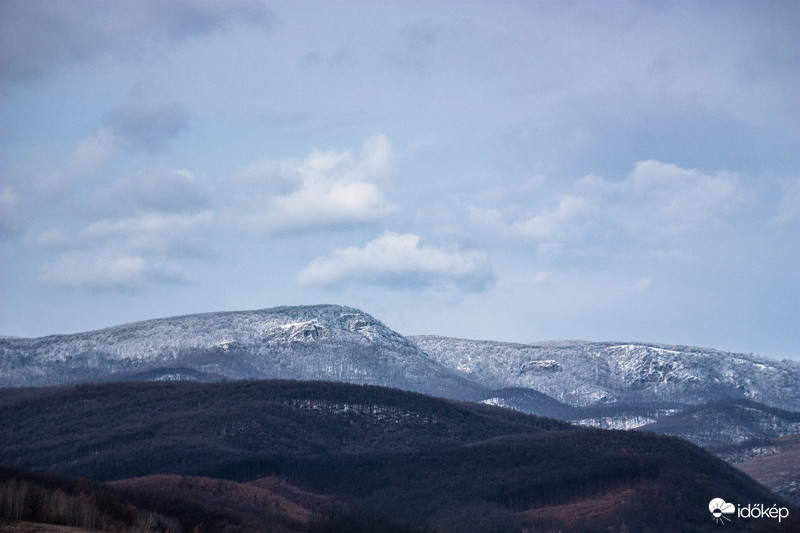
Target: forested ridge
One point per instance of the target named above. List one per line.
(318, 456)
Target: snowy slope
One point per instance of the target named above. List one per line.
(727, 422)
(325, 342)
(582, 373)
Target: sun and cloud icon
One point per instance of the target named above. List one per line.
(719, 508)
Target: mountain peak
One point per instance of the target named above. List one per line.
(316, 342)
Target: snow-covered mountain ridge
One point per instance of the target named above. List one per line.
(164, 338)
(581, 373)
(323, 342)
(337, 343)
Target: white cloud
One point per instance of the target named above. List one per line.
(556, 221)
(682, 197)
(376, 155)
(536, 278)
(658, 199)
(643, 284)
(148, 232)
(789, 207)
(89, 155)
(8, 207)
(325, 189)
(127, 253)
(54, 237)
(400, 259)
(104, 270)
(93, 152)
(654, 202)
(671, 254)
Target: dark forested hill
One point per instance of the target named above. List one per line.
(116, 430)
(338, 457)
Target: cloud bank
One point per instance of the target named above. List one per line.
(150, 220)
(656, 201)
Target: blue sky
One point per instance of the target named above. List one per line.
(516, 171)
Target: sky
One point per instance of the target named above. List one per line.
(513, 171)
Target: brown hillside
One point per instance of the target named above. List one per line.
(218, 494)
(780, 470)
(33, 527)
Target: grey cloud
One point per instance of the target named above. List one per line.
(124, 254)
(317, 58)
(789, 207)
(775, 50)
(101, 270)
(148, 126)
(185, 18)
(149, 233)
(418, 36)
(417, 39)
(166, 191)
(39, 36)
(9, 217)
